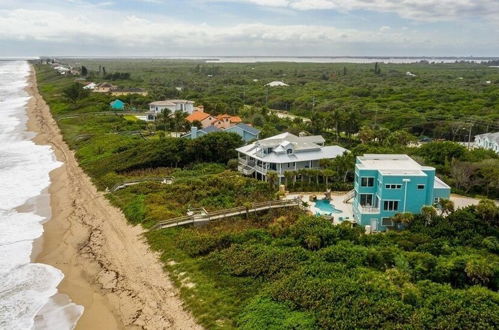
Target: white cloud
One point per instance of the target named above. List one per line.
(46, 25)
(425, 10)
(100, 31)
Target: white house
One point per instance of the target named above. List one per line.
(172, 105)
(91, 85)
(276, 84)
(284, 152)
(488, 141)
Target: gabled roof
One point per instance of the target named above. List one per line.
(170, 102)
(211, 129)
(235, 119)
(232, 119)
(198, 115)
(494, 137)
(247, 128)
(303, 149)
(162, 103)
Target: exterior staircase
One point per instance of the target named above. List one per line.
(349, 196)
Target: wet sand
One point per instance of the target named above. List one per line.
(108, 266)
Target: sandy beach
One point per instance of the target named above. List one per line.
(108, 266)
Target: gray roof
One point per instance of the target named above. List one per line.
(303, 149)
(439, 184)
(248, 128)
(169, 102)
(490, 136)
(211, 129)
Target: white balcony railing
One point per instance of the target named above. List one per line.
(369, 209)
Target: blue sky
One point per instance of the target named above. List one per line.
(249, 27)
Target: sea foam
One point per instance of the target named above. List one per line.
(28, 291)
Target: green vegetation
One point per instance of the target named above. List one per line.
(304, 273)
(284, 269)
(440, 102)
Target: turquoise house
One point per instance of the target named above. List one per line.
(389, 184)
(117, 105)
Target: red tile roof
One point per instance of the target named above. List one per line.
(197, 115)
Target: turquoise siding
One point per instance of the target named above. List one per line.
(117, 105)
(410, 192)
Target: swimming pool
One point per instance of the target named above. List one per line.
(324, 207)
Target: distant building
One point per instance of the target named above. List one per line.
(488, 141)
(128, 91)
(104, 87)
(172, 105)
(226, 121)
(90, 86)
(117, 105)
(204, 118)
(196, 132)
(276, 84)
(284, 152)
(246, 132)
(389, 184)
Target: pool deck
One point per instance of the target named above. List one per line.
(337, 198)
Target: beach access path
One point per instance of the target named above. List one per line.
(108, 266)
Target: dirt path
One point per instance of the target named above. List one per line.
(108, 267)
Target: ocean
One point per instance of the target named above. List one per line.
(28, 291)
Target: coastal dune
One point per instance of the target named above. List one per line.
(107, 264)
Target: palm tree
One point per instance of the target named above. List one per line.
(327, 173)
(429, 213)
(403, 218)
(165, 118)
(344, 164)
(179, 121)
(446, 206)
(335, 119)
(272, 179)
(288, 175)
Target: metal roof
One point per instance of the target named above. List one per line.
(490, 136)
(303, 149)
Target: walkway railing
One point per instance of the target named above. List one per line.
(349, 196)
(221, 214)
(124, 184)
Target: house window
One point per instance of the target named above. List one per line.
(393, 186)
(387, 222)
(420, 186)
(367, 182)
(390, 205)
(366, 199)
(289, 151)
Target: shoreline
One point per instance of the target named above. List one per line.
(108, 267)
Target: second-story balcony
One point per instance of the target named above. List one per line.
(366, 209)
(247, 162)
(261, 169)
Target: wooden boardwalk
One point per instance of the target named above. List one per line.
(236, 211)
(165, 180)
